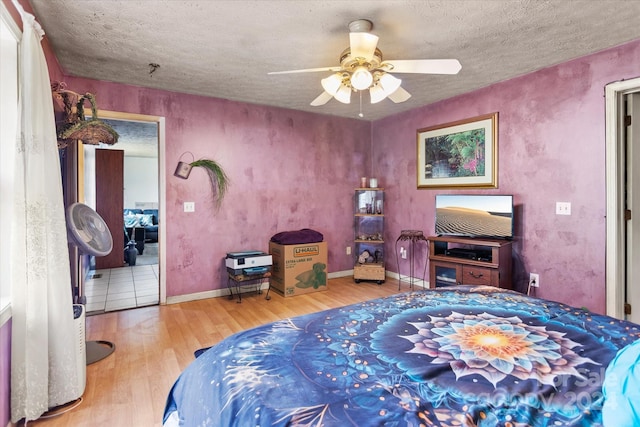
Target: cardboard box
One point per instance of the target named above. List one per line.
(299, 269)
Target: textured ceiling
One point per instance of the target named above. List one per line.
(225, 48)
(137, 139)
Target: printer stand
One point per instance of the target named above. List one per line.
(239, 280)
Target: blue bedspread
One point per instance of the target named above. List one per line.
(471, 356)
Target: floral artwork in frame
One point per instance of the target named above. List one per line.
(459, 154)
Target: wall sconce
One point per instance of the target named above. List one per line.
(184, 169)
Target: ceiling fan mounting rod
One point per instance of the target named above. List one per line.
(360, 26)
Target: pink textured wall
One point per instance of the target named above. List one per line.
(289, 170)
(551, 148)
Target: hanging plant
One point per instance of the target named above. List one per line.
(217, 176)
(71, 124)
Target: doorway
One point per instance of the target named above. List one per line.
(139, 280)
(623, 191)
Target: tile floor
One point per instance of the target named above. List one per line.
(122, 288)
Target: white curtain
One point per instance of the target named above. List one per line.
(43, 360)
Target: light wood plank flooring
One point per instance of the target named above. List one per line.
(154, 344)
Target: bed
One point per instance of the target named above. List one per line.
(455, 356)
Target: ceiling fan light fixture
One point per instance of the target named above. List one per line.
(343, 94)
(332, 83)
(389, 83)
(362, 67)
(377, 94)
(361, 78)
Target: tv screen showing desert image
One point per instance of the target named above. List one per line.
(474, 215)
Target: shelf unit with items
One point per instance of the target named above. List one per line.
(369, 235)
(469, 261)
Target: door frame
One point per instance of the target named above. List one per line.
(162, 187)
(615, 279)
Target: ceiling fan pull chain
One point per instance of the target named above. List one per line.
(360, 114)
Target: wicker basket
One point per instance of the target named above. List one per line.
(369, 271)
(92, 131)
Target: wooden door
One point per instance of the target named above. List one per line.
(110, 201)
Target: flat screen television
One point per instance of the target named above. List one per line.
(477, 215)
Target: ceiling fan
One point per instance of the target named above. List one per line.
(362, 67)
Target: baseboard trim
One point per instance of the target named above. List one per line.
(406, 280)
(212, 294)
(225, 292)
(423, 284)
(343, 273)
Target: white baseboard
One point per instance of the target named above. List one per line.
(212, 294)
(344, 273)
(406, 280)
(225, 292)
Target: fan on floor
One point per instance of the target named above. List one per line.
(90, 234)
(362, 67)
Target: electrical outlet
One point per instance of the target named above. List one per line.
(403, 253)
(534, 280)
(348, 250)
(563, 208)
(189, 206)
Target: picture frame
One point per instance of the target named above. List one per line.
(459, 154)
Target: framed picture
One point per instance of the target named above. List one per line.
(459, 154)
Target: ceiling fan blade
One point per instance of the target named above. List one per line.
(322, 99)
(307, 70)
(399, 95)
(424, 66)
(363, 45)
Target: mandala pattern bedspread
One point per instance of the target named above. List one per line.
(445, 357)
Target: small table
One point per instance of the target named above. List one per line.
(248, 279)
(411, 237)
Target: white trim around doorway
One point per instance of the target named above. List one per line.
(615, 184)
(162, 189)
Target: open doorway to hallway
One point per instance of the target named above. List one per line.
(126, 281)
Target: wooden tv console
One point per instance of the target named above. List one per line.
(469, 261)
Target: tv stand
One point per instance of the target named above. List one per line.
(457, 260)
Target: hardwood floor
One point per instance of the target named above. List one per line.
(154, 344)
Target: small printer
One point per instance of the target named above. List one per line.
(248, 262)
